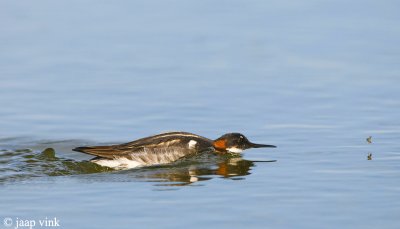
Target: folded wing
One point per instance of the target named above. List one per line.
(143, 155)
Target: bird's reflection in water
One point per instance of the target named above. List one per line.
(202, 168)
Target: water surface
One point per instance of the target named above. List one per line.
(315, 78)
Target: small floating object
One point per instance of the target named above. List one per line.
(369, 156)
(369, 139)
(48, 153)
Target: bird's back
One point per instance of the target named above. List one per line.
(158, 149)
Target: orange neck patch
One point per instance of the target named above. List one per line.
(220, 144)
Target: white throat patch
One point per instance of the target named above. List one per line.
(234, 150)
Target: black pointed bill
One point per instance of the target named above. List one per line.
(254, 145)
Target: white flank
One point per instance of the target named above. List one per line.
(234, 150)
(193, 179)
(192, 144)
(119, 163)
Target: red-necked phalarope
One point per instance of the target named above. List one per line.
(165, 148)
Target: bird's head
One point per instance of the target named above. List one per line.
(235, 143)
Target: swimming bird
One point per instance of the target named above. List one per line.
(165, 148)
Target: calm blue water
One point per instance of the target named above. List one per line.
(315, 78)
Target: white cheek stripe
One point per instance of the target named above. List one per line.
(234, 150)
